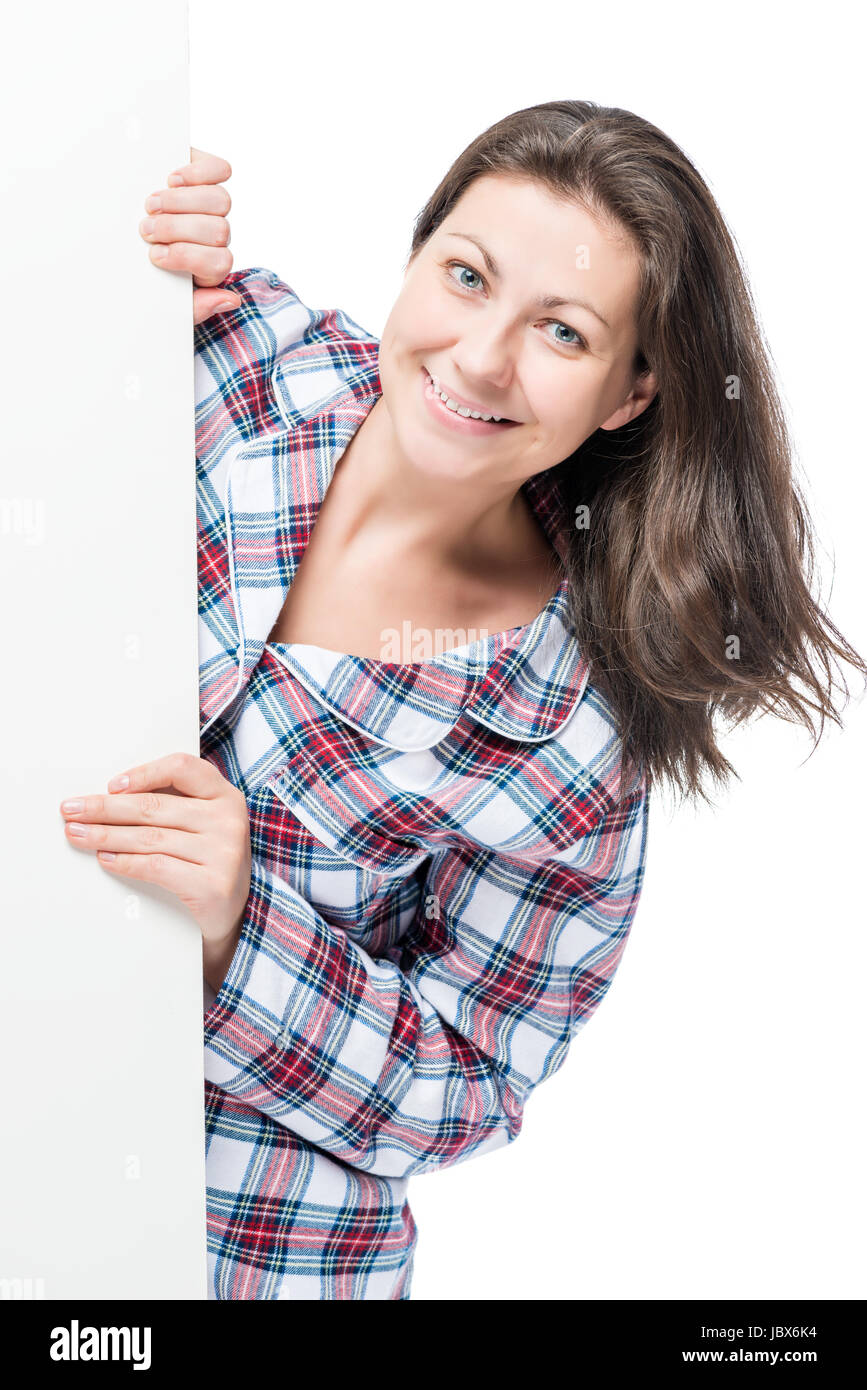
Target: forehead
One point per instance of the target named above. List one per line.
(547, 244)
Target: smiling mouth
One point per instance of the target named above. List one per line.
(465, 412)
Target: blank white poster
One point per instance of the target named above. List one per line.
(102, 1181)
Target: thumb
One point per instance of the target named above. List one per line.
(209, 302)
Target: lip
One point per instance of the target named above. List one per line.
(463, 423)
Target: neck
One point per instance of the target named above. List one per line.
(454, 521)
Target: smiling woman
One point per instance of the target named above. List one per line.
(447, 853)
(489, 341)
(652, 399)
(482, 389)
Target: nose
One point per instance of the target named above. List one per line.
(485, 360)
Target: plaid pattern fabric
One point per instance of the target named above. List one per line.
(445, 866)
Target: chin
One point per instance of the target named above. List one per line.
(431, 462)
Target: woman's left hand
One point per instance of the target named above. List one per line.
(196, 844)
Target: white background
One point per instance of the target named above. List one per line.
(705, 1137)
(102, 1171)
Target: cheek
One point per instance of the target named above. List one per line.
(422, 321)
(581, 396)
(561, 403)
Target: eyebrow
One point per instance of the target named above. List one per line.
(545, 301)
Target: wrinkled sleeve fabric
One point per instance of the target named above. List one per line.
(238, 356)
(401, 1066)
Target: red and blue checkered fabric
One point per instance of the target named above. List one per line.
(445, 865)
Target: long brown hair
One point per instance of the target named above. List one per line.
(690, 588)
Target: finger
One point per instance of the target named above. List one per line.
(211, 198)
(193, 227)
(161, 807)
(204, 168)
(208, 265)
(207, 303)
(180, 877)
(184, 771)
(139, 839)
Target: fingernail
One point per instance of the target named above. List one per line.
(117, 784)
(173, 180)
(225, 304)
(78, 830)
(159, 253)
(146, 226)
(70, 808)
(105, 854)
(153, 203)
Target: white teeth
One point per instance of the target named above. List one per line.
(461, 409)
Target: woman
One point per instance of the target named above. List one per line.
(465, 596)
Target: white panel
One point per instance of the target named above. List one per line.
(102, 1185)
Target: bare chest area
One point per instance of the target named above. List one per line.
(367, 602)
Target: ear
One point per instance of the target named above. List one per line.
(644, 389)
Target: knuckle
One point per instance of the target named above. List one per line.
(152, 834)
(158, 865)
(95, 806)
(225, 263)
(151, 804)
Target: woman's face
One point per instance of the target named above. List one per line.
(477, 325)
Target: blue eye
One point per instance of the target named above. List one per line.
(460, 266)
(576, 342)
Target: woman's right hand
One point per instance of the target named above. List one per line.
(189, 225)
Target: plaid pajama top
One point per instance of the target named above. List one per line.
(445, 867)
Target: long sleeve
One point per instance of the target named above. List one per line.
(403, 1066)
